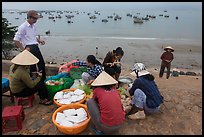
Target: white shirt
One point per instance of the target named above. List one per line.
(26, 34)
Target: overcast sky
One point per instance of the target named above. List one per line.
(100, 5)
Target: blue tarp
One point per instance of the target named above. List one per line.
(5, 83)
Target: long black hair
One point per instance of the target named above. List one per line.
(119, 51)
(92, 59)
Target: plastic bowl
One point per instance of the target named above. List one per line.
(71, 130)
(71, 89)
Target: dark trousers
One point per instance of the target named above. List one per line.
(40, 88)
(94, 112)
(162, 71)
(34, 49)
(113, 71)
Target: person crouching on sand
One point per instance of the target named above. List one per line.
(146, 96)
(166, 58)
(21, 83)
(105, 108)
(94, 68)
(112, 64)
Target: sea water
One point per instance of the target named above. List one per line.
(188, 26)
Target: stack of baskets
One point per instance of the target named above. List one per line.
(75, 129)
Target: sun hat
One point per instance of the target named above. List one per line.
(169, 47)
(104, 79)
(25, 58)
(140, 69)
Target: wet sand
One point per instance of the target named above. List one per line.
(187, 55)
(182, 110)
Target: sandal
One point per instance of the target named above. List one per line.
(46, 102)
(96, 131)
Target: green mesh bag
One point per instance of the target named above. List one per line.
(76, 73)
(68, 82)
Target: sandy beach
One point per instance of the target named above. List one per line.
(182, 109)
(177, 25)
(181, 112)
(187, 55)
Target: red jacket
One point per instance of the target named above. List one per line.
(167, 56)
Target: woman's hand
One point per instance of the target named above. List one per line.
(27, 48)
(42, 42)
(69, 64)
(39, 74)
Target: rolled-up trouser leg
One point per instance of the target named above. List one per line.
(139, 99)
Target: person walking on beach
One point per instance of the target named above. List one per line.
(20, 81)
(112, 64)
(94, 68)
(146, 95)
(26, 38)
(105, 108)
(166, 58)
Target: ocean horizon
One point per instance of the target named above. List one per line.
(188, 26)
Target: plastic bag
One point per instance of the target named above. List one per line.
(64, 67)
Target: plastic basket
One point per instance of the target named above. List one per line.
(53, 89)
(68, 82)
(71, 130)
(71, 89)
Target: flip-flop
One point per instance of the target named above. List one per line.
(96, 131)
(46, 102)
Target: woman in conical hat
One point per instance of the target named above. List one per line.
(167, 57)
(105, 107)
(21, 83)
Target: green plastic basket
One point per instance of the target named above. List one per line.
(53, 89)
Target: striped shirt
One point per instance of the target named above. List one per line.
(26, 34)
(93, 71)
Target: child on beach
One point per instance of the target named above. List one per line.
(112, 63)
(166, 58)
(94, 68)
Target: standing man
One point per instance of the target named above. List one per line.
(26, 38)
(166, 58)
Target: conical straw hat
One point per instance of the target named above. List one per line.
(104, 79)
(169, 47)
(25, 58)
